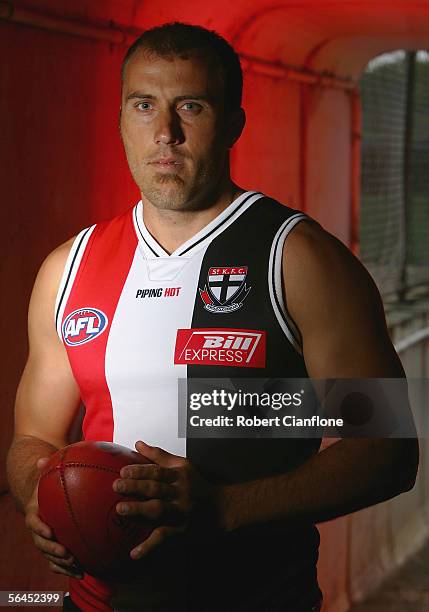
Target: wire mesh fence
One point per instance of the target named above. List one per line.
(394, 217)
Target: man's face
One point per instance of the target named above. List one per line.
(173, 129)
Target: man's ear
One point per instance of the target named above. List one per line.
(236, 124)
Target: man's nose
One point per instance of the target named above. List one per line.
(168, 129)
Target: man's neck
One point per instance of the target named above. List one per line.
(172, 228)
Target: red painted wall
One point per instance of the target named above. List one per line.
(62, 165)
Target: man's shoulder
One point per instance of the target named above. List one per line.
(56, 260)
(54, 272)
(325, 280)
(58, 257)
(272, 206)
(278, 213)
(312, 248)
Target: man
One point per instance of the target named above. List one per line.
(200, 254)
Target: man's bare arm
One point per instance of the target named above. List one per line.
(47, 396)
(46, 404)
(338, 309)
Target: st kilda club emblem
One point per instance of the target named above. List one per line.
(226, 289)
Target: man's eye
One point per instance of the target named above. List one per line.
(191, 106)
(144, 106)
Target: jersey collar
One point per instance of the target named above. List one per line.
(152, 249)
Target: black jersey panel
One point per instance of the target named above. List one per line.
(247, 244)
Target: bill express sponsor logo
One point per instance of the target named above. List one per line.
(244, 348)
(83, 325)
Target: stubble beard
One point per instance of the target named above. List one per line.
(172, 192)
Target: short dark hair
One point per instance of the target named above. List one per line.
(186, 40)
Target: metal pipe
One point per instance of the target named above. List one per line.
(112, 34)
(122, 36)
(414, 338)
(278, 70)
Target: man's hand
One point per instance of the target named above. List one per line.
(60, 560)
(171, 490)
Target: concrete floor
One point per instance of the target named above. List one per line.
(406, 591)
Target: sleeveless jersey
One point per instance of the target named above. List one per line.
(134, 320)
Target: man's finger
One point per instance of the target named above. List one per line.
(149, 471)
(153, 509)
(42, 462)
(149, 489)
(158, 455)
(67, 562)
(60, 570)
(157, 537)
(51, 547)
(34, 523)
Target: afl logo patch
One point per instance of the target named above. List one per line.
(83, 325)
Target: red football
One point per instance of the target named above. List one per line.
(77, 501)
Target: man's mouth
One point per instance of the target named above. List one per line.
(167, 161)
